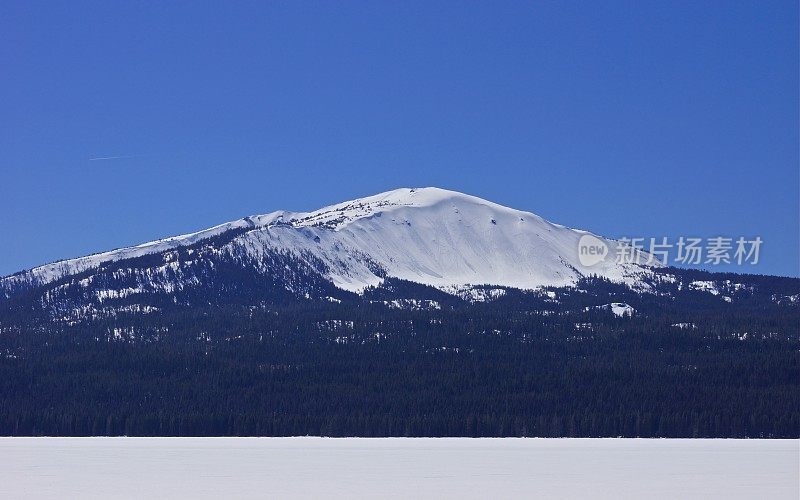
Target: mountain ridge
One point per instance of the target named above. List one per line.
(429, 235)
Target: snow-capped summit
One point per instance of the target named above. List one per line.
(341, 214)
(429, 235)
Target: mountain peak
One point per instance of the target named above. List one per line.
(342, 214)
(427, 235)
(424, 197)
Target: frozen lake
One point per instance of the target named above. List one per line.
(404, 468)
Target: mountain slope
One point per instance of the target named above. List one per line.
(249, 328)
(431, 236)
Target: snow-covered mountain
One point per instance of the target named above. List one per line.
(432, 236)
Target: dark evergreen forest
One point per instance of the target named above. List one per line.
(685, 364)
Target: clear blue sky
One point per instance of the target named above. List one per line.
(625, 118)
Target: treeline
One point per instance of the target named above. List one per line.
(241, 355)
(604, 388)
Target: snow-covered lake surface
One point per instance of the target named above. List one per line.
(397, 468)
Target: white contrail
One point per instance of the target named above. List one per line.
(101, 158)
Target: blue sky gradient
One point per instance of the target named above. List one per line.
(624, 118)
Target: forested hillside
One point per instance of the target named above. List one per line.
(408, 360)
